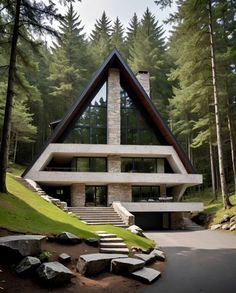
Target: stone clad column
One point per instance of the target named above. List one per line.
(144, 79)
(113, 107)
(77, 195)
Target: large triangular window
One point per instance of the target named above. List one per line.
(90, 127)
(135, 127)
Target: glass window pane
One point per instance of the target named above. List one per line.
(82, 164)
(126, 165)
(98, 164)
(136, 196)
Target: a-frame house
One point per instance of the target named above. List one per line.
(113, 145)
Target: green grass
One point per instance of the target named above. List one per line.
(213, 208)
(22, 210)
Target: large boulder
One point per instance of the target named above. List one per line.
(68, 238)
(225, 226)
(125, 266)
(146, 275)
(27, 265)
(54, 273)
(95, 263)
(15, 247)
(233, 227)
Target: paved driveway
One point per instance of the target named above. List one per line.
(197, 261)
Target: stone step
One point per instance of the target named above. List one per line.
(117, 224)
(107, 240)
(114, 250)
(103, 221)
(113, 245)
(106, 235)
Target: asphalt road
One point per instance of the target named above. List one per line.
(197, 261)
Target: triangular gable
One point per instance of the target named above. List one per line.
(114, 59)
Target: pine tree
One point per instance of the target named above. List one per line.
(68, 71)
(131, 32)
(148, 53)
(117, 37)
(100, 40)
(25, 16)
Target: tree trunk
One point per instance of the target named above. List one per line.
(9, 101)
(213, 177)
(15, 147)
(226, 202)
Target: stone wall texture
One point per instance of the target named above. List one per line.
(119, 192)
(77, 194)
(114, 164)
(144, 79)
(177, 220)
(113, 107)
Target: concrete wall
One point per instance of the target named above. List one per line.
(77, 194)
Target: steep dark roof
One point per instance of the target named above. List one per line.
(114, 59)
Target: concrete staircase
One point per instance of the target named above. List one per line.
(190, 225)
(110, 243)
(98, 215)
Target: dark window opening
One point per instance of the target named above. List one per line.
(83, 164)
(95, 195)
(145, 193)
(135, 128)
(91, 126)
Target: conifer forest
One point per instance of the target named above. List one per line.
(192, 73)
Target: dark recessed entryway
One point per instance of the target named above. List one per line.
(152, 220)
(96, 196)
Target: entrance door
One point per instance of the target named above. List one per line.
(96, 196)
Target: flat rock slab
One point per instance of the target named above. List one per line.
(27, 265)
(146, 275)
(54, 273)
(68, 238)
(127, 265)
(95, 263)
(148, 258)
(21, 245)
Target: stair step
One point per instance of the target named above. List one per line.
(103, 220)
(107, 240)
(114, 250)
(117, 224)
(106, 235)
(113, 245)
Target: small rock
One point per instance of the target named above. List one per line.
(68, 238)
(27, 265)
(54, 273)
(225, 219)
(127, 265)
(225, 227)
(159, 254)
(146, 275)
(233, 227)
(134, 227)
(92, 242)
(64, 258)
(215, 227)
(233, 219)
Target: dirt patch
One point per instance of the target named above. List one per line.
(106, 282)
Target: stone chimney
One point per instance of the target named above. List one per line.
(143, 77)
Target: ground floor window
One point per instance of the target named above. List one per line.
(96, 196)
(145, 193)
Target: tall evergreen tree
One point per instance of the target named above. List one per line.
(100, 39)
(69, 66)
(25, 15)
(132, 30)
(117, 37)
(148, 53)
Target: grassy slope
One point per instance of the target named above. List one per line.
(214, 208)
(24, 211)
